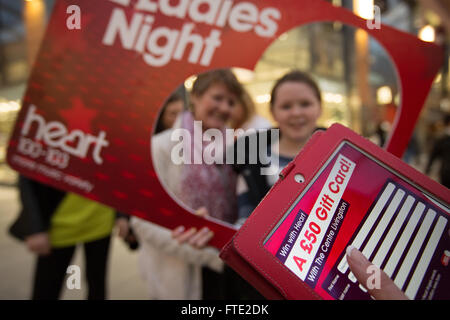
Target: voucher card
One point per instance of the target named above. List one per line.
(356, 200)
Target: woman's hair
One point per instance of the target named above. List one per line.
(219, 76)
(248, 106)
(295, 76)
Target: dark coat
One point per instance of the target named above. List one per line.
(251, 172)
(39, 202)
(257, 183)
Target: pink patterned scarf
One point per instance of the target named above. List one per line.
(208, 185)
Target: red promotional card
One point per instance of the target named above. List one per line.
(356, 194)
(95, 93)
(403, 231)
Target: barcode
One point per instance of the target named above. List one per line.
(407, 259)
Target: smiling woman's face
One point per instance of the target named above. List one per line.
(296, 108)
(214, 106)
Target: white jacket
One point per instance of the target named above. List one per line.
(171, 270)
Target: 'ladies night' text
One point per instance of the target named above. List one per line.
(139, 30)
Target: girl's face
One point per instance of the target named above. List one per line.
(171, 112)
(214, 106)
(296, 109)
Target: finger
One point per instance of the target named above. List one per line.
(42, 250)
(35, 248)
(202, 212)
(177, 231)
(365, 271)
(123, 231)
(198, 236)
(46, 252)
(185, 236)
(203, 240)
(122, 227)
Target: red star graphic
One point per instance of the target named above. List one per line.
(78, 117)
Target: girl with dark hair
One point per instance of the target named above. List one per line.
(295, 105)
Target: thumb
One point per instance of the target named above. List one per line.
(202, 212)
(364, 271)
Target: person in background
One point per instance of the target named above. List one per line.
(413, 150)
(441, 151)
(52, 223)
(170, 111)
(171, 269)
(296, 106)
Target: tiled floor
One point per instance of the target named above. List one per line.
(16, 263)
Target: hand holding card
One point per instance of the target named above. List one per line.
(293, 246)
